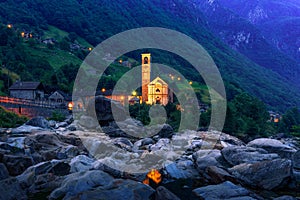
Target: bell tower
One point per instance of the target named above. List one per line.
(146, 70)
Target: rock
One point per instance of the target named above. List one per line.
(10, 189)
(80, 182)
(123, 143)
(228, 140)
(218, 175)
(266, 174)
(236, 155)
(113, 132)
(38, 122)
(181, 169)
(54, 167)
(52, 123)
(205, 158)
(53, 146)
(120, 189)
(133, 122)
(226, 190)
(166, 131)
(69, 151)
(88, 122)
(3, 172)
(273, 146)
(142, 144)
(81, 163)
(72, 128)
(17, 142)
(17, 164)
(103, 109)
(69, 119)
(296, 160)
(25, 129)
(285, 197)
(162, 144)
(163, 193)
(61, 124)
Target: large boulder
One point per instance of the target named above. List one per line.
(88, 122)
(81, 163)
(163, 193)
(296, 160)
(181, 169)
(236, 155)
(17, 164)
(38, 122)
(273, 146)
(120, 189)
(103, 107)
(226, 190)
(166, 131)
(33, 174)
(25, 129)
(218, 175)
(266, 174)
(79, 182)
(3, 172)
(204, 158)
(10, 189)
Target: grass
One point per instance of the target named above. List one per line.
(58, 34)
(56, 57)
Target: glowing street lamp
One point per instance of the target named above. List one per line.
(9, 25)
(103, 90)
(134, 93)
(70, 106)
(191, 82)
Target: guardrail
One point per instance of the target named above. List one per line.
(28, 102)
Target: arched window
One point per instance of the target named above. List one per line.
(157, 90)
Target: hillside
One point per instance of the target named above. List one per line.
(278, 21)
(98, 20)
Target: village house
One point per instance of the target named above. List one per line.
(27, 90)
(60, 97)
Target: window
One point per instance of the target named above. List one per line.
(157, 90)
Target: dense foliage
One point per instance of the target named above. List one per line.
(9, 119)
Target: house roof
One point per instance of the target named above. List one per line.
(67, 97)
(19, 85)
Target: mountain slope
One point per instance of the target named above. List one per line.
(240, 34)
(278, 20)
(97, 20)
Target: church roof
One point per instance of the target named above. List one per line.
(158, 80)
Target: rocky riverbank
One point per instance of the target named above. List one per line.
(65, 160)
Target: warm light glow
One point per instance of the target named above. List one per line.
(103, 90)
(134, 93)
(172, 77)
(23, 34)
(120, 61)
(122, 97)
(90, 48)
(9, 26)
(190, 82)
(179, 78)
(30, 35)
(153, 175)
(276, 120)
(70, 106)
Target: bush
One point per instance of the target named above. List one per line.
(57, 116)
(10, 120)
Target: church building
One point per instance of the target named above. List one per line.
(155, 91)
